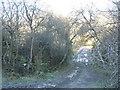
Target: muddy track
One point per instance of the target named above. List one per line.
(80, 76)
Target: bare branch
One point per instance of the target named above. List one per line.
(91, 27)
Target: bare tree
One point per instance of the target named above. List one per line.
(95, 34)
(11, 23)
(31, 17)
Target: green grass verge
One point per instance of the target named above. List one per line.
(96, 86)
(42, 77)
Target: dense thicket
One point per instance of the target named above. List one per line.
(33, 41)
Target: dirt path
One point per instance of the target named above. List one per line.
(83, 76)
(80, 76)
(85, 79)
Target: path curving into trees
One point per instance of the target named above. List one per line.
(80, 76)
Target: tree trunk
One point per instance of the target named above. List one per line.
(31, 50)
(68, 49)
(11, 52)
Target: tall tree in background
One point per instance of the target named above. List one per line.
(11, 23)
(31, 17)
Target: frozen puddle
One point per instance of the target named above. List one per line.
(85, 55)
(47, 85)
(72, 74)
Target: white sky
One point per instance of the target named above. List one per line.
(64, 7)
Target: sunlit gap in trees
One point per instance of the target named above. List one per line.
(90, 42)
